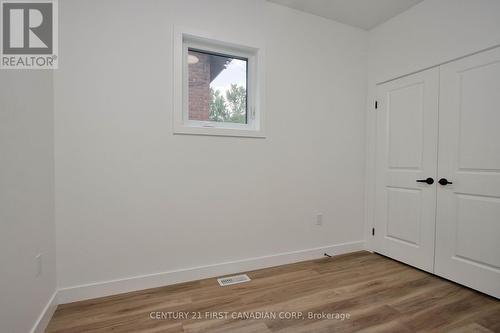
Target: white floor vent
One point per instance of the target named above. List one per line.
(229, 280)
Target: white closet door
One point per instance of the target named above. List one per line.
(468, 210)
(407, 127)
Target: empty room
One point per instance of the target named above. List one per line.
(249, 166)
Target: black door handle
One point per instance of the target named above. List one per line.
(429, 181)
(444, 181)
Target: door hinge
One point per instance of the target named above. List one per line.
(376, 105)
(373, 231)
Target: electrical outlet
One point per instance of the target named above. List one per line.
(38, 263)
(319, 219)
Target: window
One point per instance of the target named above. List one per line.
(217, 88)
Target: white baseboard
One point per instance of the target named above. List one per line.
(112, 287)
(46, 315)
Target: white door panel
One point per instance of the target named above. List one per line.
(468, 211)
(407, 120)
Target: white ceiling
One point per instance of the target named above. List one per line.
(364, 14)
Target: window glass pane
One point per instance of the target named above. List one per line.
(217, 87)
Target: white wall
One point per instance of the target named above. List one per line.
(428, 34)
(433, 32)
(26, 197)
(134, 199)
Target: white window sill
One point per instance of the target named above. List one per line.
(219, 131)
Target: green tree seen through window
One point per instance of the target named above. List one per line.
(230, 108)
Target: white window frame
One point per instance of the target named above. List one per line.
(255, 126)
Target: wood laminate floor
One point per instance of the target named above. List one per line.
(377, 293)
